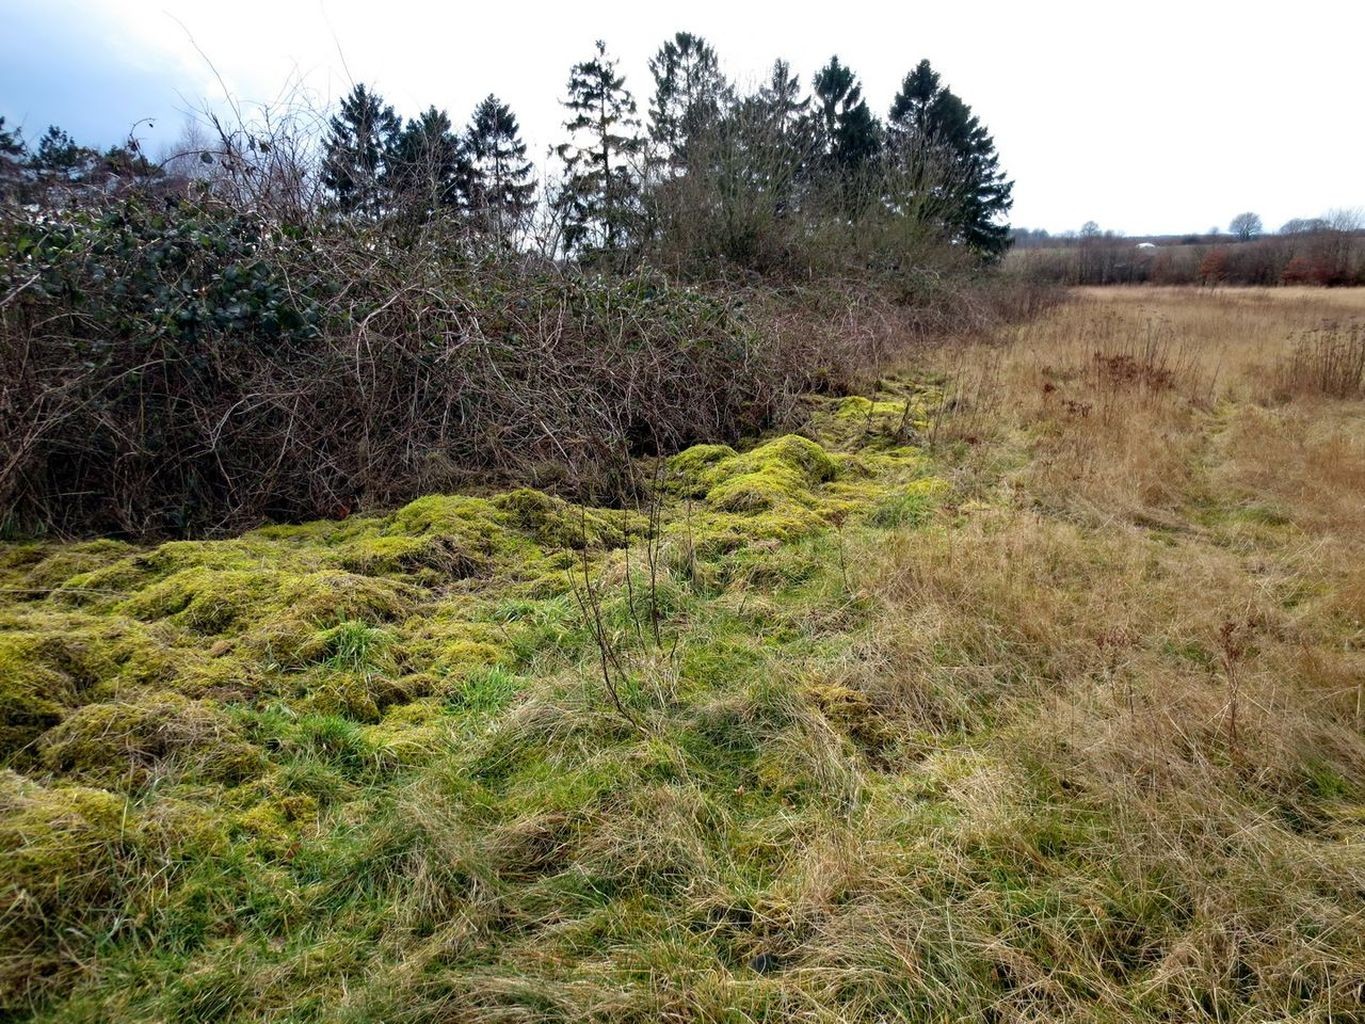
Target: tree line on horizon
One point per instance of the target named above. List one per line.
(707, 174)
(1326, 251)
(1244, 227)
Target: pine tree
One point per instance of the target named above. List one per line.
(425, 168)
(950, 157)
(850, 133)
(600, 196)
(500, 189)
(689, 94)
(361, 136)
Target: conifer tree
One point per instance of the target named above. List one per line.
(360, 139)
(12, 150)
(848, 129)
(781, 98)
(58, 153)
(950, 157)
(689, 94)
(500, 189)
(600, 196)
(425, 168)
(11, 140)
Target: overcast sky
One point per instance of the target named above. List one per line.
(1145, 117)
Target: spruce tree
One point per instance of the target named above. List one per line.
(950, 159)
(600, 196)
(849, 132)
(360, 138)
(781, 98)
(912, 111)
(425, 168)
(689, 94)
(501, 191)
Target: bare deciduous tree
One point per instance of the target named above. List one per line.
(1245, 226)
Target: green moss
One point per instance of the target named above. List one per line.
(449, 514)
(343, 695)
(858, 407)
(393, 729)
(129, 742)
(274, 824)
(687, 470)
(59, 563)
(445, 556)
(553, 522)
(71, 862)
(33, 696)
(782, 472)
(759, 490)
(791, 451)
(45, 670)
(359, 696)
(55, 841)
(409, 735)
(217, 601)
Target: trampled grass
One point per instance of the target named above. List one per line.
(1028, 689)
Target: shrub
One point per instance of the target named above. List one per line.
(192, 369)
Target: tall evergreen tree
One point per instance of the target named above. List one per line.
(425, 168)
(781, 98)
(360, 138)
(912, 111)
(848, 129)
(501, 190)
(689, 94)
(600, 196)
(950, 157)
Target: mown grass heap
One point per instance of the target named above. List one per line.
(1026, 695)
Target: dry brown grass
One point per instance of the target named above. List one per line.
(1153, 601)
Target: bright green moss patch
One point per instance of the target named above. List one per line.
(553, 522)
(856, 406)
(445, 557)
(218, 601)
(33, 695)
(390, 735)
(51, 663)
(688, 469)
(782, 471)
